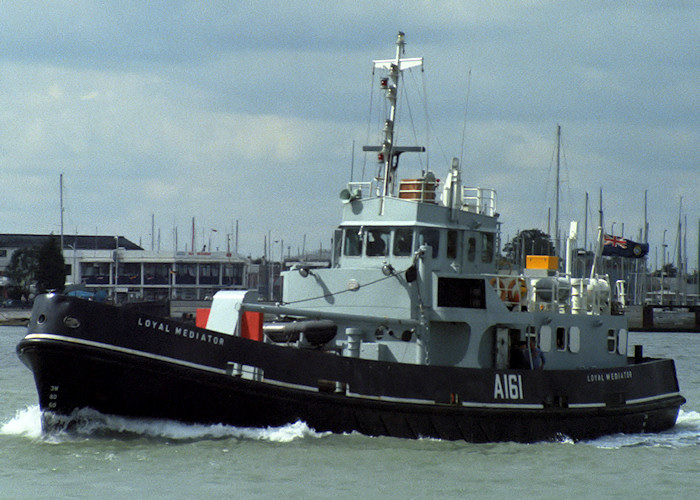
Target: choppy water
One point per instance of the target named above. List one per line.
(111, 457)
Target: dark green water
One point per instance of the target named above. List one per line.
(116, 458)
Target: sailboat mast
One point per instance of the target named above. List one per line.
(61, 201)
(679, 239)
(556, 211)
(585, 225)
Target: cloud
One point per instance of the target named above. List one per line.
(220, 111)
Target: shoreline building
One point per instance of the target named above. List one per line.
(125, 272)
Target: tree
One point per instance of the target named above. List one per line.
(668, 270)
(51, 269)
(22, 270)
(528, 242)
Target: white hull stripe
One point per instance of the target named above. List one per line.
(586, 405)
(628, 402)
(123, 350)
(167, 359)
(522, 406)
(653, 398)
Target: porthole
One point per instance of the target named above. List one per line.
(71, 322)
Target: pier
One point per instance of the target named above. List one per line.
(14, 317)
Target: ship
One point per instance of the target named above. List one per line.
(414, 331)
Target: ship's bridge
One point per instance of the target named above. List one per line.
(376, 231)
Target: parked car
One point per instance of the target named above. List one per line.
(16, 304)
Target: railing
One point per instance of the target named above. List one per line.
(360, 189)
(590, 296)
(479, 200)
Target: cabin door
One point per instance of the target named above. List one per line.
(501, 348)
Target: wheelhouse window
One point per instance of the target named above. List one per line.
(431, 237)
(452, 239)
(352, 243)
(486, 247)
(471, 249)
(377, 242)
(403, 241)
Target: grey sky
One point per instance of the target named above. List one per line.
(247, 111)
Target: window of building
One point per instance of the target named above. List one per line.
(232, 274)
(156, 273)
(186, 274)
(95, 273)
(129, 273)
(209, 274)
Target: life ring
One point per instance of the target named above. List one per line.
(499, 285)
(516, 290)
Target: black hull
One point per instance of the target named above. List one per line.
(115, 364)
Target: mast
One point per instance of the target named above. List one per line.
(388, 152)
(679, 273)
(61, 202)
(585, 225)
(556, 212)
(193, 250)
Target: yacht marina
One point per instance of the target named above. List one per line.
(413, 332)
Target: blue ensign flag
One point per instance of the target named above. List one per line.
(614, 246)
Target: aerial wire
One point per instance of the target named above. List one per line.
(464, 121)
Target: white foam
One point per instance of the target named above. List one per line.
(87, 423)
(686, 432)
(26, 422)
(179, 431)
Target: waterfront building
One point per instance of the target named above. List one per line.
(123, 271)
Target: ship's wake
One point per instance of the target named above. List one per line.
(685, 433)
(88, 423)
